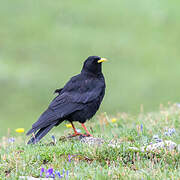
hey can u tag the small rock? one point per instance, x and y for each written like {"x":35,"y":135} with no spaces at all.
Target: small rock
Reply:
{"x":92,"y":141}
{"x":170,"y":145}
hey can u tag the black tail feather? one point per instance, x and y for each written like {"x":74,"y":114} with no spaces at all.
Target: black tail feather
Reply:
{"x":40,"y":134}
{"x":31,"y":131}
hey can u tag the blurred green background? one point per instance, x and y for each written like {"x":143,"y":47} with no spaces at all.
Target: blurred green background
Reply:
{"x":44,"y":43}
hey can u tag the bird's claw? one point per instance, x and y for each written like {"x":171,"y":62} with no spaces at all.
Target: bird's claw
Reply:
{"x":87,"y":135}
{"x":76,"y":134}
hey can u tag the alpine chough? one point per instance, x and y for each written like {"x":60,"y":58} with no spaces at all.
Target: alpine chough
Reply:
{"x":78,"y":100}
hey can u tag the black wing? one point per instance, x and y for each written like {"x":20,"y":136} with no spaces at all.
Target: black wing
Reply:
{"x":58,"y":91}
{"x":73,"y":97}
{"x":83,"y":90}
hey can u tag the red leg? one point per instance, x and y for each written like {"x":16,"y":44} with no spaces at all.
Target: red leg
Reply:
{"x":87,"y":132}
{"x":75,"y":131}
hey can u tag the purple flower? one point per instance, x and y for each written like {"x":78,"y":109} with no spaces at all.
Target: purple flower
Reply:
{"x":166,"y":134}
{"x":170,"y":132}
{"x":58,"y":174}
{"x":67,"y":174}
{"x":156,"y":138}
{"x":49,"y":173}
{"x":141,"y":127}
{"x":63,"y":172}
{"x":54,"y":139}
{"x":42,"y":171}
{"x":69,"y":158}
{"x":11,"y":140}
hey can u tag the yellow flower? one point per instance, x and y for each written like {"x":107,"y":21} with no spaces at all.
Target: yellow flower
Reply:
{"x":68,"y":125}
{"x":19,"y":130}
{"x":113,"y":120}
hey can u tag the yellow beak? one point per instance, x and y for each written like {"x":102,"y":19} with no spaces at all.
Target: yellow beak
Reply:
{"x":102,"y":60}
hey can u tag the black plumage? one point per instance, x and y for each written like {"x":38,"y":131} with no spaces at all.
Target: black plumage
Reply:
{"x":78,"y":100}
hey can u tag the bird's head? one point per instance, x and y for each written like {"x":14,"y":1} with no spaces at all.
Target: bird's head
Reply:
{"x":93,"y":64}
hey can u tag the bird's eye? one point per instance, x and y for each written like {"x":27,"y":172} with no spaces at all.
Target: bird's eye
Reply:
{"x":96,"y":60}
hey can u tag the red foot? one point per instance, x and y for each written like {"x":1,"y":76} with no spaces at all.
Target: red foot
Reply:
{"x":79,"y":134}
{"x":76,"y":134}
{"x":87,"y":135}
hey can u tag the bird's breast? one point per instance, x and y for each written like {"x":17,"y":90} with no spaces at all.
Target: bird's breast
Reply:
{"x":87,"y":112}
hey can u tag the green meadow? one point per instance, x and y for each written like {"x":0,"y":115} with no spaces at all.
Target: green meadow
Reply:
{"x":80,"y":160}
{"x":44,"y":43}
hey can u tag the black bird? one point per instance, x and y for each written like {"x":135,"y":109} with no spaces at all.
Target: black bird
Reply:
{"x":78,"y":100}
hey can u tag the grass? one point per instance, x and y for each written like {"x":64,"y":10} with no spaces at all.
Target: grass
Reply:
{"x":100,"y":162}
{"x":43,"y":44}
